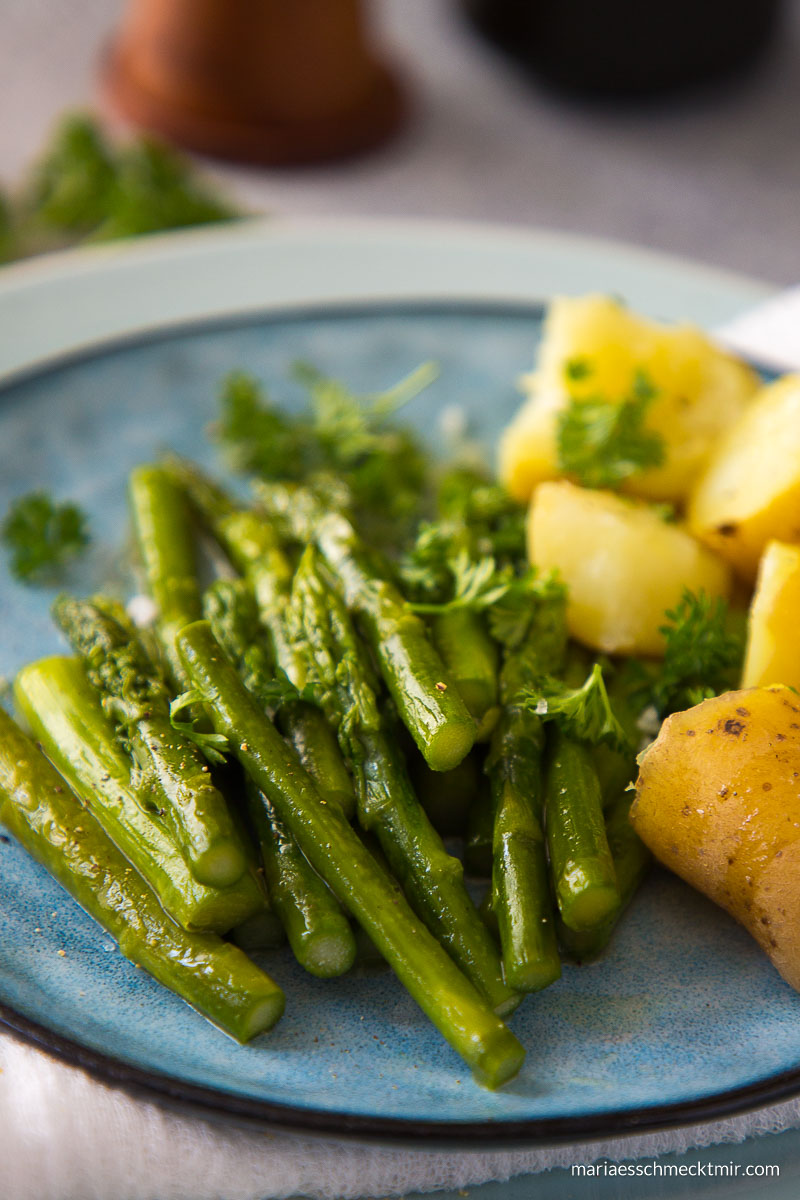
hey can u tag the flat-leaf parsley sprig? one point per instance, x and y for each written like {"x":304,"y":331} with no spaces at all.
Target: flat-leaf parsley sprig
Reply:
{"x":703,"y":653}
{"x":42,"y":536}
{"x":584,"y":713}
{"x":602,"y":443}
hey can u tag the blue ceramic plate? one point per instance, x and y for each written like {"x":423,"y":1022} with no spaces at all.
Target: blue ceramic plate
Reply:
{"x":111,"y":356}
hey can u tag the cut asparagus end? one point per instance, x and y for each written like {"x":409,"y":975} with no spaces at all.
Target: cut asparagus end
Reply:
{"x":449,"y":745}
{"x":510,"y":1002}
{"x":222,"y":865}
{"x":534,"y":976}
{"x":262,"y":1015}
{"x":501,"y":1061}
{"x":588,"y":906}
{"x":328,"y":956}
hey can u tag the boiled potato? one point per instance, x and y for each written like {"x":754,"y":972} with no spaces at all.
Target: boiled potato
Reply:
{"x":622,"y":564}
{"x":773,"y":627}
{"x":701,"y":390}
{"x":750,"y":491}
{"x":718,"y":802}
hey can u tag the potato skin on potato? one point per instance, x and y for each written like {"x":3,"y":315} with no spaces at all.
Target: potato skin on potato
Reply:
{"x":718,"y":802}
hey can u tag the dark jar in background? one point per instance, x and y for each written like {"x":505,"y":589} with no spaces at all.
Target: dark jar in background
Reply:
{"x":622,"y":48}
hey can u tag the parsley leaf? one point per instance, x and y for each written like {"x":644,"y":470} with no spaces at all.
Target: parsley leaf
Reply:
{"x":703,"y":655}
{"x":71,"y":185}
{"x":476,"y":584}
{"x":382,"y":469}
{"x":259,"y":437}
{"x":584,"y":713}
{"x":155,"y":188}
{"x":577,"y":368}
{"x":212,"y":745}
{"x":42,"y":535}
{"x":533,"y":608}
{"x":7,"y":236}
{"x":602,"y":444}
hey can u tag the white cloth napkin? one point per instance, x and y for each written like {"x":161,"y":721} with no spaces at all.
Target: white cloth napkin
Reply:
{"x":769,"y":334}
{"x":65,"y":1137}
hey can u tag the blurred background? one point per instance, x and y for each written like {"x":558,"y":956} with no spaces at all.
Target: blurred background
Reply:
{"x":539,"y":136}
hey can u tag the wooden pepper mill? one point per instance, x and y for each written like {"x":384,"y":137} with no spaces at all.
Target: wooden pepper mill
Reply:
{"x":267,"y":81}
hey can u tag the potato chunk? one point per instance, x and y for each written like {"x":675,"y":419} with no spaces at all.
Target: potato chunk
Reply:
{"x":718,"y":802}
{"x":750,"y":490}
{"x":623,"y":566}
{"x":593,"y":347}
{"x":773,"y":628}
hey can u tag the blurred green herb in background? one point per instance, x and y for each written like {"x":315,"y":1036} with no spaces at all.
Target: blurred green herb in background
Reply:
{"x":85,"y":189}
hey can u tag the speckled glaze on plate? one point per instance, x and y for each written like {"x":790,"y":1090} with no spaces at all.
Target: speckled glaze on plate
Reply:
{"x":684,"y":1018}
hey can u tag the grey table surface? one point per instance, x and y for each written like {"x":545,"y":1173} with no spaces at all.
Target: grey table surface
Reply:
{"x":715,"y":177}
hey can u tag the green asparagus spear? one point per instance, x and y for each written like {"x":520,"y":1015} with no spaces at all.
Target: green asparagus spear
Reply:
{"x":424,"y":694}
{"x":117,"y":665}
{"x":318,"y":931}
{"x":446,"y":795}
{"x":520,"y":882}
{"x":65,"y":715}
{"x":581,"y":862}
{"x":336,"y":852}
{"x":252,"y":547}
{"x":262,"y":931}
{"x":387,"y":806}
{"x":166,"y":547}
{"x":521,"y":899}
{"x":215,"y":978}
{"x":631,"y":861}
{"x":469,"y":655}
{"x":479,"y":836}
{"x":230,"y":607}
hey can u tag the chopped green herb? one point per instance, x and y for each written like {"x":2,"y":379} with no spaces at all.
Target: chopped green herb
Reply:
{"x":42,"y":535}
{"x":703,"y":654}
{"x":6,"y":230}
{"x":583,"y":713}
{"x":71,"y":185}
{"x":258,"y":437}
{"x":533,"y":609}
{"x":382,"y":469}
{"x":602,"y":444}
{"x":212,"y":745}
{"x":577,"y":368}
{"x":476,"y":584}
{"x":155,"y":188}
{"x":84,"y":188}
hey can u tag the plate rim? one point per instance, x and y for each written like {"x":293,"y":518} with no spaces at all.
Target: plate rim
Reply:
{"x":33,"y":279}
{"x":95,"y":293}
{"x":212,"y":1104}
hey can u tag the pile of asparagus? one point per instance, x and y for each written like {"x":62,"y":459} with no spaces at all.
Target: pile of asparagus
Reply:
{"x":281,"y":753}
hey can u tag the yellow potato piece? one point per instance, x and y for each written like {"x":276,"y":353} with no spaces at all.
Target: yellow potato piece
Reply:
{"x":622,"y":564}
{"x":701,"y":391}
{"x":718,"y":802}
{"x":750,"y":490}
{"x":773,"y":628}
